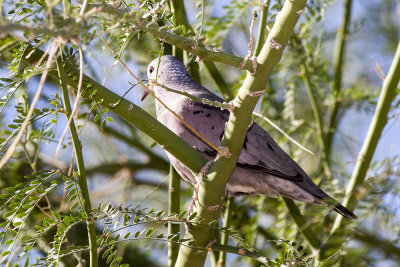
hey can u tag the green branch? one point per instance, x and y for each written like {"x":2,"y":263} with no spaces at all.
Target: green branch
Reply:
{"x":302,"y":224}
{"x":367,"y":151}
{"x":174,"y":207}
{"x":225,"y":235}
{"x":386,"y":246}
{"x":212,"y":187}
{"x":338,"y":62}
{"x":262,"y":29}
{"x":189,"y":45}
{"x":317,"y":117}
{"x":87,"y":207}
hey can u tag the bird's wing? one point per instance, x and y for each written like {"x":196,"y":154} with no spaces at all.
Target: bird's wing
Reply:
{"x":261,"y":153}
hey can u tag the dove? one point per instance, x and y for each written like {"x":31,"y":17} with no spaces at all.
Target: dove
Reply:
{"x":263,"y":168}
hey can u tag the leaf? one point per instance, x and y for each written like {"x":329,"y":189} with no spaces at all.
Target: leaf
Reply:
{"x":103,"y":125}
{"x":192,"y":216}
{"x":183,"y":213}
{"x":97,"y":117}
{"x":137,"y":234}
{"x":5,"y":253}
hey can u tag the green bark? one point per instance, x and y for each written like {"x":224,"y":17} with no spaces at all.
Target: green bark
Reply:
{"x":173,"y":207}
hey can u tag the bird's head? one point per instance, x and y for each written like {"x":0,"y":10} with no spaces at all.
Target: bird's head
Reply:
{"x":168,"y":71}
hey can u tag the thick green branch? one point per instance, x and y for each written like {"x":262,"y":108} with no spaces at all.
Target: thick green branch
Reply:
{"x":367,"y":151}
{"x":212,"y":188}
{"x":87,"y":207}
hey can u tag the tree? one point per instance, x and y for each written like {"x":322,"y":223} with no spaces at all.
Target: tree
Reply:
{"x":69,"y":137}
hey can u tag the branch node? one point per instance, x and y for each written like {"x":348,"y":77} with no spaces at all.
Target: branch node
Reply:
{"x":130,"y":107}
{"x":301,"y":11}
{"x":212,"y":208}
{"x":210,"y":244}
{"x":230,"y":106}
{"x":254,"y":65}
{"x":194,"y":46}
{"x":242,"y":251}
{"x":257,"y":93}
{"x":274,"y":44}
{"x":223,"y":151}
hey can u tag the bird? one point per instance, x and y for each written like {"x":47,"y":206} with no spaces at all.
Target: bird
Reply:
{"x":262,"y":168}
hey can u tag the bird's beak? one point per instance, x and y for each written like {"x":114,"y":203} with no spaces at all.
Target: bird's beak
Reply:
{"x":145,"y":94}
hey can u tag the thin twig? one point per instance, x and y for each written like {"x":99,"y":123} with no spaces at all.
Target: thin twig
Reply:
{"x":282,"y":132}
{"x":251,"y":46}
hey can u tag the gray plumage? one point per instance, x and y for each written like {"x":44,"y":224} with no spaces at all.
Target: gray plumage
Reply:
{"x":262,"y":168}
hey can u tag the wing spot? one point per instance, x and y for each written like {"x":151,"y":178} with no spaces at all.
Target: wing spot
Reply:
{"x":197,"y":112}
{"x":212,"y":128}
{"x":270,"y":147}
{"x":208,"y":115}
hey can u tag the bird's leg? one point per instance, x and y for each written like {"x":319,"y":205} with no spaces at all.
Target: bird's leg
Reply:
{"x":199,"y":179}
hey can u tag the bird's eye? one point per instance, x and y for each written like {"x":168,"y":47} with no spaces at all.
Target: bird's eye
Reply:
{"x":151,"y":69}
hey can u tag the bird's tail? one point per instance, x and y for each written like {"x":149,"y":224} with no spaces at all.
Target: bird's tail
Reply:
{"x":344,"y":211}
